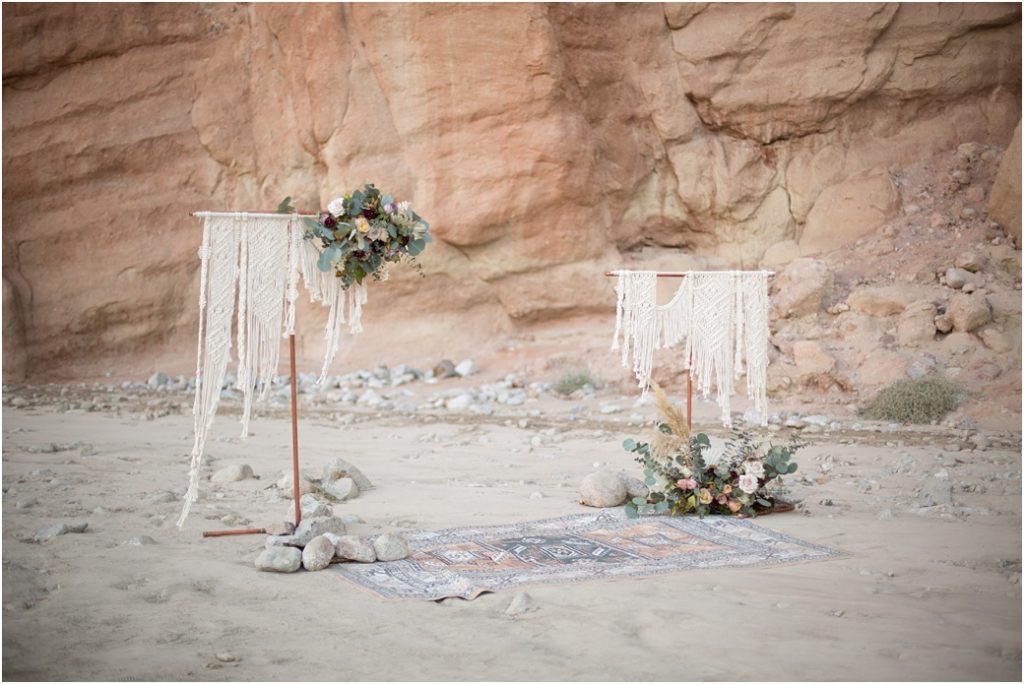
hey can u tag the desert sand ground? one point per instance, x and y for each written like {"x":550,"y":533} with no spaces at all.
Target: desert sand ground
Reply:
{"x":926,"y":592}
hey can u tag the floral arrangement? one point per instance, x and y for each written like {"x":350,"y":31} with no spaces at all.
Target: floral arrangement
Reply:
{"x":364,"y":232}
{"x":745,"y":480}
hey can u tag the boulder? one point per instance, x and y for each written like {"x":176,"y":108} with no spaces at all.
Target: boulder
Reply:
{"x":602,"y":489}
{"x":313,"y":508}
{"x":811,"y":358}
{"x":390,"y":547}
{"x":881,"y":367}
{"x":968,"y":312}
{"x":445,"y":369}
{"x":279,"y":559}
{"x":916,"y":325}
{"x":956,"y":278}
{"x":342,"y":489}
{"x":317,"y":554}
{"x":801,"y":288}
{"x":314,"y":527}
{"x":279,"y":528}
{"x":1004,"y":204}
{"x":339,"y":468}
{"x":232,"y":473}
{"x":350,"y":547}
{"x":995,"y":340}
{"x":886,"y":300}
{"x":848,"y":210}
{"x":943,"y":323}
{"x":971,"y":261}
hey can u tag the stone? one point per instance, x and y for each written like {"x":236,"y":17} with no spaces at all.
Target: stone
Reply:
{"x":280,"y":528}
{"x":943,"y":323}
{"x":48,"y":532}
{"x":307,"y":484}
{"x":995,"y":340}
{"x":279,"y":559}
{"x":520,"y":603}
{"x":445,"y":369}
{"x":801,"y":288}
{"x":936,"y":492}
{"x":811,"y":359}
{"x":350,"y":547}
{"x":460,"y":403}
{"x":634,"y":486}
{"x":226,"y":657}
{"x":314,"y":527}
{"x":317,"y":554}
{"x":142,"y":540}
{"x":466,"y":368}
{"x":886,"y":300}
{"x":161,"y":497}
{"x":340,"y":468}
{"x":232,"y":473}
{"x":312,"y":507}
{"x":602,"y":489}
{"x":956,"y":278}
{"x":968,"y":312}
{"x":158,"y":379}
{"x":971,"y":261}
{"x":342,"y":489}
{"x":26,"y":503}
{"x":916,"y":324}
{"x":390,"y":547}
{"x":1004,"y":204}
{"x":848,"y":210}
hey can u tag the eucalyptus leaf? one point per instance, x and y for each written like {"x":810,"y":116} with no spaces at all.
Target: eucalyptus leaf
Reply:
{"x":285,"y":207}
{"x":630,"y":510}
{"x":661,"y":506}
{"x":639,"y":500}
{"x":629,"y":444}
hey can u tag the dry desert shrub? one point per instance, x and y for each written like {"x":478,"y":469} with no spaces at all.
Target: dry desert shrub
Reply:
{"x":572,"y":380}
{"x":920,"y":400}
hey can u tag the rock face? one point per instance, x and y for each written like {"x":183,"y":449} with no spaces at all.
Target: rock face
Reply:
{"x":612,"y":126}
{"x":1004,"y":202}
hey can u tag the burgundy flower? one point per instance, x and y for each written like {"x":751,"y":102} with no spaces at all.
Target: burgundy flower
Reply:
{"x":327,"y":220}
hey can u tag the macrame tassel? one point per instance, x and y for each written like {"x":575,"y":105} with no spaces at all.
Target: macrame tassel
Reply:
{"x":294,"y":269}
{"x":218,"y":274}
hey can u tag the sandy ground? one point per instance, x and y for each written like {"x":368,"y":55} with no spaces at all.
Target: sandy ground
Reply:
{"x":927,"y":593}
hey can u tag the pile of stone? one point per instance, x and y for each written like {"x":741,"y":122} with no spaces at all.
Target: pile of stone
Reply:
{"x":321,"y":539}
{"x":340,"y":481}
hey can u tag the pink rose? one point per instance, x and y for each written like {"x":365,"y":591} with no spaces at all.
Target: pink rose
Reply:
{"x":687,"y":484}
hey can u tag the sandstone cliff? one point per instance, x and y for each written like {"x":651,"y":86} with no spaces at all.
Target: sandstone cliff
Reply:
{"x":544,"y":142}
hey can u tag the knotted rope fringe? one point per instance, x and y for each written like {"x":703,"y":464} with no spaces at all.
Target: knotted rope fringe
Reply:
{"x":265,"y":262}
{"x":720,"y":318}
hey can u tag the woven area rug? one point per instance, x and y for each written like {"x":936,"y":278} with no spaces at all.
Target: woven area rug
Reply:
{"x":468,"y":561}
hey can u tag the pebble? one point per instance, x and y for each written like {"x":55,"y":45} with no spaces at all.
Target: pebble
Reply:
{"x":48,"y":532}
{"x":460,"y":403}
{"x":26,"y":503}
{"x":284,"y":527}
{"x":279,"y":559}
{"x":158,"y":379}
{"x":226,"y":657}
{"x":143,"y":540}
{"x":350,"y":547}
{"x":520,"y":603}
{"x":232,"y":473}
{"x":339,"y":468}
{"x":390,"y":547}
{"x":317,"y":554}
{"x":161,"y":497}
{"x":466,"y":368}
{"x":610,"y":408}
{"x":445,"y":369}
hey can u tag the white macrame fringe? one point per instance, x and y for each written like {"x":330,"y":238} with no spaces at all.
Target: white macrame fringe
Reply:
{"x":720,"y":318}
{"x":265,"y":262}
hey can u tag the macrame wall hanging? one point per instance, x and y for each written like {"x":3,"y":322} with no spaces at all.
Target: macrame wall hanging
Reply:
{"x":250,"y":265}
{"x":719,"y":318}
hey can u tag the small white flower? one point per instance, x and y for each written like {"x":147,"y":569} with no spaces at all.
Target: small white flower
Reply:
{"x":336,"y":206}
{"x":748,"y":483}
{"x":404,"y":208}
{"x":418,"y":230}
{"x":755,"y":468}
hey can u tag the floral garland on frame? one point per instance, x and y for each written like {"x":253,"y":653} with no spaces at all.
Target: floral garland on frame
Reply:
{"x":362,"y":233}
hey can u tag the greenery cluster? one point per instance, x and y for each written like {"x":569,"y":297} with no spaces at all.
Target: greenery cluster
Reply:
{"x":364,"y":231}
{"x":921,"y":400}
{"x":572,"y":380}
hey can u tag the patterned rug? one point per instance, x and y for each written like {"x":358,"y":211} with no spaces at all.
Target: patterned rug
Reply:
{"x":468,"y":561}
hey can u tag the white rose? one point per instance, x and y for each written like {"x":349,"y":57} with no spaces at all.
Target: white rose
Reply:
{"x":336,"y":206}
{"x":404,"y":208}
{"x":755,"y":468}
{"x":748,"y":483}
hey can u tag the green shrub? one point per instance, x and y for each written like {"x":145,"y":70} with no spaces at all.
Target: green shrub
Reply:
{"x":572,"y":380}
{"x":921,"y":400}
